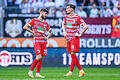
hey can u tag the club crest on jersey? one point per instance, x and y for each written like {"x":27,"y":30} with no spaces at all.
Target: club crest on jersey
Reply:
{"x":38,"y":51}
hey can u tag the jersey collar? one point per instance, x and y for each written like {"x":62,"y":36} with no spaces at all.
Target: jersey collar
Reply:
{"x":72,"y":16}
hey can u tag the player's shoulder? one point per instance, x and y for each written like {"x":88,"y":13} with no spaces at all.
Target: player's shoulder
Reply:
{"x":66,"y":16}
{"x":33,"y":19}
{"x":45,"y":22}
{"x":77,"y":16}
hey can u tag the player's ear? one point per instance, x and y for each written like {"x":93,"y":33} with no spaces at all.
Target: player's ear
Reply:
{"x":41,"y":12}
{"x":72,"y":9}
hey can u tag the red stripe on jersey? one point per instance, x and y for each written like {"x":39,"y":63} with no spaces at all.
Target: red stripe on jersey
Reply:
{"x":39,"y":39}
{"x":70,"y":36}
{"x":71,"y":32}
{"x":34,"y":28}
{"x":71,"y":28}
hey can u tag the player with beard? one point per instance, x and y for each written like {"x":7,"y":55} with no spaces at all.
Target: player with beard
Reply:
{"x":39,"y":27}
{"x":71,"y":27}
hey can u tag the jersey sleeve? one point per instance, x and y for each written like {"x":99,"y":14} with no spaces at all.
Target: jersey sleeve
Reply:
{"x":80,"y":20}
{"x":31,"y":23}
{"x":64,"y":21}
{"x":48,"y":27}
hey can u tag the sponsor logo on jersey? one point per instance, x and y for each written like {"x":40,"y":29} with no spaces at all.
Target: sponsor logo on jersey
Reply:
{"x":38,"y":51}
{"x":40,"y":30}
{"x":69,"y":25}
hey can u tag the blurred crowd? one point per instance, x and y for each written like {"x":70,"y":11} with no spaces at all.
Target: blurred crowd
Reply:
{"x":85,"y":8}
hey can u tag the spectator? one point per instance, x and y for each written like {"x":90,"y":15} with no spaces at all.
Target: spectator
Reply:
{"x":116,"y":9}
{"x":14,"y":4}
{"x":94,"y":11}
{"x":103,"y":4}
{"x":81,"y":2}
{"x":25,"y":6}
{"x":71,"y":2}
{"x":91,"y":3}
{"x":59,"y":3}
{"x":31,"y":1}
{"x":51,"y":12}
{"x":114,"y":2}
{"x":11,"y":3}
{"x":107,"y":2}
{"x":51,"y":6}
{"x":49,"y":3}
{"x":32,"y":10}
{"x":60,"y":12}
{"x":107,"y":12}
{"x":111,"y":3}
{"x":81,"y":12}
{"x":18,"y":2}
{"x":116,"y":12}
{"x":36,"y":5}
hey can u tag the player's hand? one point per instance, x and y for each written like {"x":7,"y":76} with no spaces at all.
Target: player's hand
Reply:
{"x":77,"y":35}
{"x":45,"y":38}
{"x":65,"y":34}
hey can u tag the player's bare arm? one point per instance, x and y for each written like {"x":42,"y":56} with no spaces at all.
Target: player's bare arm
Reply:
{"x":26,"y":27}
{"x":63,"y":27}
{"x":83,"y":31}
{"x":49,"y":35}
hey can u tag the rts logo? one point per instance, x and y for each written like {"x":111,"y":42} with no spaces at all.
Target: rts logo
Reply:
{"x":15,"y":58}
{"x":5,"y":58}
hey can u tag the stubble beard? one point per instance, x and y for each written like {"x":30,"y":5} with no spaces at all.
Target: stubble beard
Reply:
{"x":43,"y":17}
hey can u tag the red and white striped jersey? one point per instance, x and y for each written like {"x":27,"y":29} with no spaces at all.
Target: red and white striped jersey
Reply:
{"x":72,"y":25}
{"x":39,"y":27}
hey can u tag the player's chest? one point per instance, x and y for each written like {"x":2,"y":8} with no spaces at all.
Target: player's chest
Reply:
{"x":40,"y":25}
{"x":72,"y":23}
{"x":71,"y":20}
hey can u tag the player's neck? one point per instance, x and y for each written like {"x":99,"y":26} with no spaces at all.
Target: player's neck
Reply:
{"x":72,"y":14}
{"x":40,"y":18}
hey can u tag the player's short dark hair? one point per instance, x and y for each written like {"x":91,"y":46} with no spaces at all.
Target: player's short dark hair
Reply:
{"x":44,"y":10}
{"x":71,"y":6}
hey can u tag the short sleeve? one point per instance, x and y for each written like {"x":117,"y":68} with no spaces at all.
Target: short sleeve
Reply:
{"x":31,"y":23}
{"x":48,"y":27}
{"x":64,"y":21}
{"x":80,"y":20}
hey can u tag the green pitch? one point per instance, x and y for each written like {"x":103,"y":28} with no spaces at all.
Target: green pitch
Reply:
{"x":20,"y":73}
